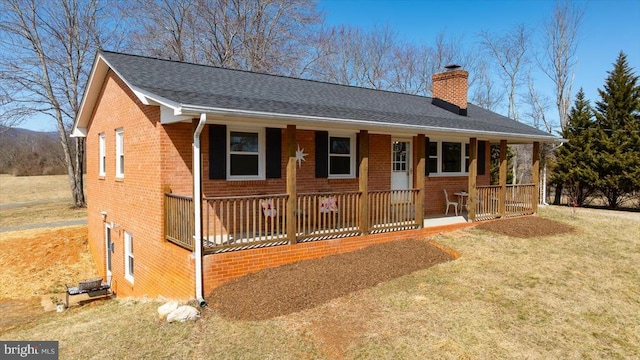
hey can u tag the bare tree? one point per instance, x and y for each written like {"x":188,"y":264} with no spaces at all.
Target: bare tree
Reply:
{"x":560,"y":45}
{"x":269,"y":36}
{"x":485,"y":93}
{"x":12,"y":113}
{"x":539,"y":104}
{"x":46,"y":51}
{"x":510,"y":54}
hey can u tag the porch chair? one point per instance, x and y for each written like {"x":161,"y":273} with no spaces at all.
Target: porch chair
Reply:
{"x":450,"y":203}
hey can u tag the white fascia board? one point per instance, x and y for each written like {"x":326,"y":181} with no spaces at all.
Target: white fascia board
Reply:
{"x":91,"y":93}
{"x":399,"y":129}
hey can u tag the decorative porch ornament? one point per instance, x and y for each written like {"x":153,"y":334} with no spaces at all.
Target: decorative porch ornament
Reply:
{"x":300,"y":154}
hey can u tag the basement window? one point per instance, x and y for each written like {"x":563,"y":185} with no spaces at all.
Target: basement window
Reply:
{"x":128,"y":257}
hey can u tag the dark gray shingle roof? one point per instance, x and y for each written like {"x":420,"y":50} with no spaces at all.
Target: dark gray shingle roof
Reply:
{"x":212,"y":87}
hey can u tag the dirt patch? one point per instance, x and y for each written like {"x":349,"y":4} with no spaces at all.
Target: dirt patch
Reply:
{"x":526,"y":227}
{"x":35,"y":266}
{"x":307,"y":284}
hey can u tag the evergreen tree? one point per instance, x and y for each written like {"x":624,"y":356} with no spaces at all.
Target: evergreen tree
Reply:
{"x":576,"y":159}
{"x":618,"y":139}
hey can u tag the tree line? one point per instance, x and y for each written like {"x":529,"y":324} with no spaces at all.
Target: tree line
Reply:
{"x":602,"y":156}
{"x":47,"y":48}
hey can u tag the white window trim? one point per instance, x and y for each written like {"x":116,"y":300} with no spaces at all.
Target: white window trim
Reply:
{"x":128,"y":254}
{"x":119,"y":152}
{"x":463,"y":157}
{"x":103,"y":154}
{"x":352,"y":156}
{"x":261,"y":154}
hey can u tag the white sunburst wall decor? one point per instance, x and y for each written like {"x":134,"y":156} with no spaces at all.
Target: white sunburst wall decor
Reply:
{"x":300,"y":154}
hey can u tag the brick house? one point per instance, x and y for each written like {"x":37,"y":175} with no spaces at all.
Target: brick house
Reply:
{"x":197,"y":175}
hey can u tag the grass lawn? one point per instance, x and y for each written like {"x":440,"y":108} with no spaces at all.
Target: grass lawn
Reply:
{"x":36,"y":199}
{"x":574,"y":295}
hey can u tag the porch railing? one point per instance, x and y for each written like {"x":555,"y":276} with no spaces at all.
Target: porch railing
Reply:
{"x":244,"y":222}
{"x":179,"y":220}
{"x":327,"y":215}
{"x":392,"y":210}
{"x":487,"y":203}
{"x":519,"y":199}
{"x":241,"y":222}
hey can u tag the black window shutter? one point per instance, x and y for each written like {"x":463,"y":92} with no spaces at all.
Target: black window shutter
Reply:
{"x":274,"y":153}
{"x":217,"y":152}
{"x":322,"y":154}
{"x":481,"y":157}
{"x":426,"y":156}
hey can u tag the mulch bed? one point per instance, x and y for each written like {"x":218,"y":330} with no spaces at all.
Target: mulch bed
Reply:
{"x":307,"y":284}
{"x":526,"y":227}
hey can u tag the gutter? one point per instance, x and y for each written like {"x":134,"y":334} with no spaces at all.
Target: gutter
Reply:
{"x":197,"y":213}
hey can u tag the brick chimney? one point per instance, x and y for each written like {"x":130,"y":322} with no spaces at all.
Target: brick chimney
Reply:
{"x":450,"y":89}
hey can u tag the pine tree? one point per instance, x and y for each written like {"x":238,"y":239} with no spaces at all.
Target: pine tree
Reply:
{"x":618,"y":139}
{"x":576,"y":159}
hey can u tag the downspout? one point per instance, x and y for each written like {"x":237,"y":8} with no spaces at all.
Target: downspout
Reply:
{"x":197,"y":205}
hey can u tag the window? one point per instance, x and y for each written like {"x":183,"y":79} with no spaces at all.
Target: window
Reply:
{"x":103,"y":155}
{"x":128,"y":257}
{"x":119,"y":153}
{"x":451,"y":157}
{"x":433,"y":157}
{"x":466,"y":158}
{"x":448,"y":157}
{"x":246,"y":155}
{"x":341,"y":156}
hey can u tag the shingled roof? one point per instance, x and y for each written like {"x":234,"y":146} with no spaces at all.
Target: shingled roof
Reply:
{"x":181,"y":85}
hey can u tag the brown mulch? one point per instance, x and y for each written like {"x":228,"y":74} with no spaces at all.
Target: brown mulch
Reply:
{"x":307,"y":284}
{"x":526,"y":227}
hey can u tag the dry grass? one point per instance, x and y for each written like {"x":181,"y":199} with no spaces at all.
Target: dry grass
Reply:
{"x":15,"y":189}
{"x":575,"y":295}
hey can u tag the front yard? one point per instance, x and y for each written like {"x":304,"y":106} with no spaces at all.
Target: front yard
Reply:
{"x":570,"y":295}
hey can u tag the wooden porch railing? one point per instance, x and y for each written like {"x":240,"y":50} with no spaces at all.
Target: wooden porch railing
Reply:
{"x":392,"y":210}
{"x":179,"y":220}
{"x":241,"y":222}
{"x":519,"y":200}
{"x":487,"y":203}
{"x":327,"y":215}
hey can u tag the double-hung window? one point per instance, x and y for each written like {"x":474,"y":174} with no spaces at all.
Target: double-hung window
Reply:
{"x":342,"y":156}
{"x":246,"y":154}
{"x":119,"y":153}
{"x":448,"y":158}
{"x":103,"y":155}
{"x":128,"y":257}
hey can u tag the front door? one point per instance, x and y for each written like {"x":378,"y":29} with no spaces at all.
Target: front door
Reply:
{"x":108,"y":249}
{"x":401,"y":170}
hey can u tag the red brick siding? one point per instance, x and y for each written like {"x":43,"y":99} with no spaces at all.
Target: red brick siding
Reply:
{"x":135,"y":203}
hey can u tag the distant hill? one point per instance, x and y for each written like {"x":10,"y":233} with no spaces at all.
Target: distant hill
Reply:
{"x":28,"y":152}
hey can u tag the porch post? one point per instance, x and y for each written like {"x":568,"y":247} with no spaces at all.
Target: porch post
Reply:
{"x":536,"y":176}
{"x":291,"y":184}
{"x":473,"y":172}
{"x":502,"y":209}
{"x":419,"y":171}
{"x":363,"y":180}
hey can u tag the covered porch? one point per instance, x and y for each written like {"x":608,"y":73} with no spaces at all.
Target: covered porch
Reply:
{"x":229,"y":223}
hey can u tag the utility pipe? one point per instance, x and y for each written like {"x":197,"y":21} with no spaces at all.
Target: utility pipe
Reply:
{"x":197,"y":211}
